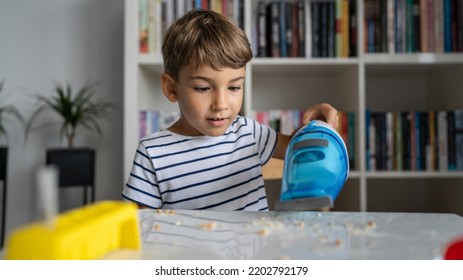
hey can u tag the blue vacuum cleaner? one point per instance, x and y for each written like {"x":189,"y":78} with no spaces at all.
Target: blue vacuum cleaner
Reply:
{"x":315,"y":169}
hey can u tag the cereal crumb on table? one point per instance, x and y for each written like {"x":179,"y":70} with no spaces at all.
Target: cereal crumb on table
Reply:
{"x":168,"y":212}
{"x":263,"y":232}
{"x":371,"y":224}
{"x":300,"y":224}
{"x":209,"y":226}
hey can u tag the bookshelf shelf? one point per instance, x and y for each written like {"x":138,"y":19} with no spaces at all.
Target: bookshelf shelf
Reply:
{"x":378,"y":82}
{"x":146,"y":59}
{"x":413,"y":174}
{"x":418,"y":59}
{"x":259,"y":61}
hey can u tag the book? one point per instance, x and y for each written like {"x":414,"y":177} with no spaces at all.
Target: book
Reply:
{"x":301,"y":27}
{"x":345,"y":28}
{"x":331,"y":30}
{"x":416,"y":26}
{"x":141,"y":124}
{"x":390,"y":140}
{"x":447,"y":25}
{"x":283,"y":29}
{"x":406,"y":143}
{"x":459,"y":138}
{"x":261,"y":29}
{"x":143,"y":26}
{"x":273,"y":29}
{"x":155,"y":26}
{"x":293,"y":16}
{"x":417,"y":149}
{"x":316,"y":29}
{"x":372,"y":142}
{"x":353,"y":28}
{"x":431,"y":149}
{"x":398,"y":140}
{"x":308,"y":31}
{"x":443,"y":140}
{"x":390,"y":26}
{"x":338,"y":32}
{"x":452,"y":160}
{"x":323,"y":46}
{"x":367,"y":140}
{"x":424,"y":140}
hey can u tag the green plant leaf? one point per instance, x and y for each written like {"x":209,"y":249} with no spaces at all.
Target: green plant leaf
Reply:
{"x":6,"y":111}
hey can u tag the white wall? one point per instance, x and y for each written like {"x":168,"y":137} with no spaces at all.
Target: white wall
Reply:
{"x":60,"y":40}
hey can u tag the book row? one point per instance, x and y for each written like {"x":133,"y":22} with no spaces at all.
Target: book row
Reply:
{"x":154,"y":120}
{"x":408,"y":26}
{"x":155,"y":16}
{"x":415,"y":141}
{"x":287,"y":121}
{"x":310,"y":28}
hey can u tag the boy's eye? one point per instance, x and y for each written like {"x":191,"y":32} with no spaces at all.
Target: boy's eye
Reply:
{"x":234,"y":88}
{"x":201,"y":89}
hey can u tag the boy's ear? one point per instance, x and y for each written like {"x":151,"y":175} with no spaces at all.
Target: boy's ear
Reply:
{"x":168,"y":87}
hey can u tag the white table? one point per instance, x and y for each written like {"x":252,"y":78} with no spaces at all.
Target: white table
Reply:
{"x":296,"y":235}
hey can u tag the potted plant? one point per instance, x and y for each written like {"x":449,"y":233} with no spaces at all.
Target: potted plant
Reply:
{"x":74,"y":109}
{"x":7,"y":111}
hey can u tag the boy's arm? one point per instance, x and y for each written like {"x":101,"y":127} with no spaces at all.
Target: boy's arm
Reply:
{"x":282,"y":144}
{"x":323,"y":111}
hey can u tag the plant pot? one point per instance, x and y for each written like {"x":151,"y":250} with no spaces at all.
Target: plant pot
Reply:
{"x":76,"y":168}
{"x":3,"y":163}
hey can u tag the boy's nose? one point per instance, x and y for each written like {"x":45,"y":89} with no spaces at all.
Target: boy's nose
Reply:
{"x":220,"y":101}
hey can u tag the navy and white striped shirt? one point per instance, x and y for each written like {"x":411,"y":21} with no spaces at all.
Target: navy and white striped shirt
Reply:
{"x":173,"y":171}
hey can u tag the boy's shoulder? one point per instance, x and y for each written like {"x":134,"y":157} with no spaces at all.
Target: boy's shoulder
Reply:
{"x":160,"y":136}
{"x":241,"y":123}
{"x":244,"y":120}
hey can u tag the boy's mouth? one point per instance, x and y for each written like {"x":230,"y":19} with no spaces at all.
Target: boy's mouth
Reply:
{"x":217,"y":121}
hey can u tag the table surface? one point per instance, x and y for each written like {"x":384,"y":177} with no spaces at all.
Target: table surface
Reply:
{"x":187,"y":234}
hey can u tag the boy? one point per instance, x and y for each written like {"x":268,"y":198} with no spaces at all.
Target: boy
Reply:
{"x":212,"y":157}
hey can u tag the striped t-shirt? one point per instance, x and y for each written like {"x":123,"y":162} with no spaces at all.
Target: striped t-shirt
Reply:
{"x":173,"y":171}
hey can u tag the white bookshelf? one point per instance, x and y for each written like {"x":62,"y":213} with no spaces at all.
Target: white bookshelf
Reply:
{"x":379,"y":82}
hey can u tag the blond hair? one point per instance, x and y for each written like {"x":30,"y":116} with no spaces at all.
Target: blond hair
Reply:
{"x":204,"y":38}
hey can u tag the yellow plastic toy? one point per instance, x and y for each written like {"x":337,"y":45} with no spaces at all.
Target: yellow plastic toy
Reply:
{"x":85,"y":233}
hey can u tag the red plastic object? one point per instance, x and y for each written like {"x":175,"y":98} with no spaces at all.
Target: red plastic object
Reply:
{"x":454,"y":250}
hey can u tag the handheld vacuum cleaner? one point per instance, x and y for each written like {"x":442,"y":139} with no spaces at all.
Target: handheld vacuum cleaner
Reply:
{"x":315,"y":169}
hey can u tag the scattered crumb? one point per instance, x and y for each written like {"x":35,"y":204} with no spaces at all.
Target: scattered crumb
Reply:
{"x":300,"y":224}
{"x":209,"y":226}
{"x":363,"y":229}
{"x":157,"y":227}
{"x":263,"y":232}
{"x":178,"y":223}
{"x":168,"y":212}
{"x":338,"y":242}
{"x":171,"y":212}
{"x":371,"y":224}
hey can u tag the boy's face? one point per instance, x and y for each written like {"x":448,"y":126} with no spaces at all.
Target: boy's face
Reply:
{"x":209,"y":100}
